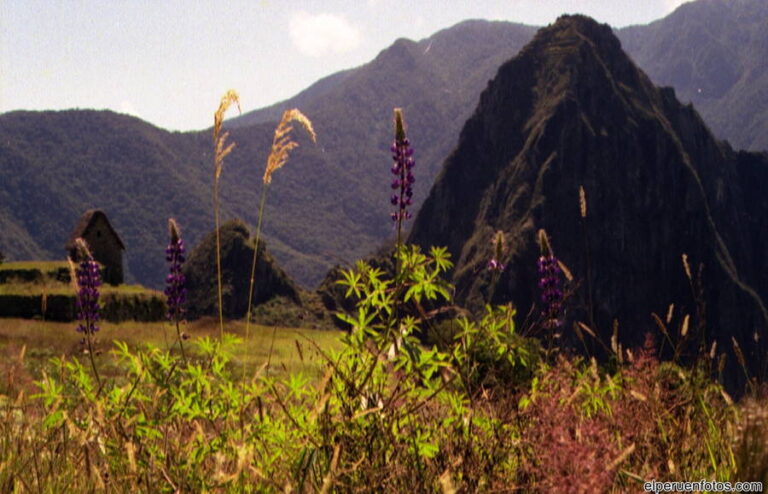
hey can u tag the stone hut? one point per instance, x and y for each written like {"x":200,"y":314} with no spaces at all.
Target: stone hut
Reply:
{"x":103,"y":241}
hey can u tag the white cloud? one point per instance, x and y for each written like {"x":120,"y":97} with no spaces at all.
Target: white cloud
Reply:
{"x":671,"y":5}
{"x":128,"y":108}
{"x":322,"y":34}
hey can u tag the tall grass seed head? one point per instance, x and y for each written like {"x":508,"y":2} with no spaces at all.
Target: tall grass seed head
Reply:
{"x":282,"y":142}
{"x":221,"y":148}
{"x":582,"y":202}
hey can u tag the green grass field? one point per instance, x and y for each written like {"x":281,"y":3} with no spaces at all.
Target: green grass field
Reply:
{"x":43,"y":266}
{"x":294,"y":348}
{"x":53,"y":288}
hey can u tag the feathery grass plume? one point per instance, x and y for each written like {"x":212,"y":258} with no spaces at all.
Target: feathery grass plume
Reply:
{"x":87,"y":282}
{"x":564,"y":269}
{"x":740,"y":357}
{"x":282,"y":144}
{"x":220,"y":151}
{"x":684,"y":328}
{"x":670,"y":313}
{"x":549,"y":283}
{"x":587,"y":254}
{"x":687,"y":267}
{"x":582,"y":202}
{"x":175,"y":291}
{"x":402,"y":185}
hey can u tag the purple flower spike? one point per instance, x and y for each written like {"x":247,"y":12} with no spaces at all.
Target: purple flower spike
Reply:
{"x":549,"y":283}
{"x":175,"y":292}
{"x":402,"y":155}
{"x":494,"y":265}
{"x":498,"y":252}
{"x":88,"y":281}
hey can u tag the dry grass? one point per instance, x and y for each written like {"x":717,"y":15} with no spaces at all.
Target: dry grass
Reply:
{"x":282,"y":143}
{"x":221,"y":148}
{"x":220,"y":151}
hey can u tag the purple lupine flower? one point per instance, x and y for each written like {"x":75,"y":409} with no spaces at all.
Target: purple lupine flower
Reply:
{"x":88,"y":281}
{"x":402,"y":185}
{"x":175,"y":292}
{"x":549,"y":283}
{"x":498,"y":251}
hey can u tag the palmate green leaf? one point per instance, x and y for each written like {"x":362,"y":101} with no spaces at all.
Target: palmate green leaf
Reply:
{"x":51,"y":390}
{"x":352,"y":280}
{"x":229,"y":393}
{"x":431,"y":361}
{"x":297,"y":384}
{"x":442,"y":258}
{"x":149,"y":432}
{"x":425,"y":448}
{"x":428,"y":288}
{"x":164,"y":360}
{"x":380,"y":298}
{"x":205,"y":345}
{"x":414,"y":292}
{"x":218,"y":366}
{"x":54,"y":419}
{"x":182,"y":403}
{"x":363,"y":320}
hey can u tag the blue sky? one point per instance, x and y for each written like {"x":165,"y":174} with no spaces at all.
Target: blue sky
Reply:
{"x":168,"y":62}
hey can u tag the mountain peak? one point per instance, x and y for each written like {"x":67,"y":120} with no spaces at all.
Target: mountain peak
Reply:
{"x":570,"y":32}
{"x":572,"y":112}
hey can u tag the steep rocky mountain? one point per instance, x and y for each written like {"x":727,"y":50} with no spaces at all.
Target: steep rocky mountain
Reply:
{"x":572,"y":110}
{"x":715,"y":54}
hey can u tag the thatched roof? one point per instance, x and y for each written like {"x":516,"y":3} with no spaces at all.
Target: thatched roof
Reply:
{"x":86,"y":220}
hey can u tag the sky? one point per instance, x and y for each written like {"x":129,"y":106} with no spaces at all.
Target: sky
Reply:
{"x":169,"y":61}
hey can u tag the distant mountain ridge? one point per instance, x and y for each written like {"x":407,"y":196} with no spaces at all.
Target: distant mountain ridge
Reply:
{"x":715,"y":54}
{"x":56,"y":165}
{"x":330,"y":204}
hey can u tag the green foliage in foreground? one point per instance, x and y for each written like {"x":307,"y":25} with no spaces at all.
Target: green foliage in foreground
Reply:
{"x":486,"y":412}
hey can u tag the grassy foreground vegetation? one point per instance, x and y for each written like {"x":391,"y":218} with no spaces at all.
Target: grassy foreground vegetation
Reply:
{"x":484,"y":410}
{"x":417,"y":396}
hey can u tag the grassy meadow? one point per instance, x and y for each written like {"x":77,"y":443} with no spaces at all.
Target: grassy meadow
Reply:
{"x":39,"y":341}
{"x":42,"y":266}
{"x":64,"y":289}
